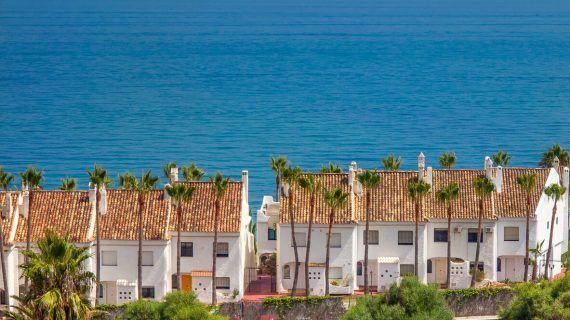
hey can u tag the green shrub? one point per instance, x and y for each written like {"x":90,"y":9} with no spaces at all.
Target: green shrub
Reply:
{"x":178,"y":300}
{"x":410,"y":300}
{"x":142,"y":310}
{"x":479,"y":275}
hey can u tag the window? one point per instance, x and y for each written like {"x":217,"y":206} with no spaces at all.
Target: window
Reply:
{"x":222,"y":249}
{"x":556,"y":220}
{"x":372,"y":237}
{"x":186,"y":249}
{"x":335,"y":273}
{"x":335,"y":240}
{"x":499,"y":264}
{"x":481,"y":266}
{"x":175,"y":281}
{"x":148,"y":292}
{"x":147,"y":258}
{"x":359,"y":268}
{"x":407,"y":269}
{"x":472,"y":235}
{"x":511,"y":233}
{"x":440,"y":235}
{"x":222,"y":282}
{"x":2,"y":297}
{"x":547,"y":225}
{"x":101,"y":291}
{"x":405,"y":237}
{"x":271,"y":234}
{"x":429,"y":266}
{"x":109,"y":258}
{"x":286,"y":271}
{"x":300,"y":238}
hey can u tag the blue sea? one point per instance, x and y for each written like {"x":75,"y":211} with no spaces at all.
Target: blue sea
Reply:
{"x":133,"y":84}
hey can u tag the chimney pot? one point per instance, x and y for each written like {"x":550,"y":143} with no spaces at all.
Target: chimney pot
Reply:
{"x":174,"y":174}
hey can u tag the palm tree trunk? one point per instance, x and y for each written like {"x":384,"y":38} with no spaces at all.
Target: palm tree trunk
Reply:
{"x":534,"y":267}
{"x":448,"y":278}
{"x":307,"y":252}
{"x":29,"y":233}
{"x":478,"y":248}
{"x":416,"y":239}
{"x":97,"y":247}
{"x":139,"y":265}
{"x":327,"y":259}
{"x":215,"y":253}
{"x":549,"y":252}
{"x":295,"y":251}
{"x":366,"y":236}
{"x":277,"y":187}
{"x":3,"y":262}
{"x":527,"y":235}
{"x":179,"y":247}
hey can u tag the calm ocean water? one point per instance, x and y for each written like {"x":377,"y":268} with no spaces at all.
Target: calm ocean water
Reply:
{"x":132,"y":84}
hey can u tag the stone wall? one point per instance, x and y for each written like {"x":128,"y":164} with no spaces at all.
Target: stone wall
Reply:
{"x":321,"y":309}
{"x":470,"y":302}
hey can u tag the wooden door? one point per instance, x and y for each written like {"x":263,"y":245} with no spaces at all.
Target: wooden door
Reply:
{"x":186,"y":282}
{"x":440,"y":271}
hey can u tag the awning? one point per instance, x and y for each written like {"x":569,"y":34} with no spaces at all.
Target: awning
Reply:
{"x":201,"y":274}
{"x":388,"y":260}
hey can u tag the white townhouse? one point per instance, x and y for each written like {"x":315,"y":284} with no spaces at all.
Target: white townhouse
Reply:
{"x":391,"y":237}
{"x":73,"y":213}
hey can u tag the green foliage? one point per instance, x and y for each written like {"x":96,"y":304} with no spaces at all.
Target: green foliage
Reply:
{"x":284,"y":304}
{"x":331,"y":168}
{"x":410,"y":300}
{"x":479,"y":275}
{"x":176,"y":305}
{"x":558,"y":151}
{"x":143,"y":310}
{"x":474,"y":292}
{"x":545,"y":300}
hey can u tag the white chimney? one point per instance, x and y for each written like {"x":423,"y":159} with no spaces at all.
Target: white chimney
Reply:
{"x":245,"y":182}
{"x":166,"y":196}
{"x":425,"y":175}
{"x":103,"y":201}
{"x":173,"y":174}
{"x":488,"y":165}
{"x":556,"y":163}
{"x":92,"y":192}
{"x":7,"y":208}
{"x":351,"y":173}
{"x":498,"y":180}
{"x":494,"y":174}
{"x":24,"y":203}
{"x":566,"y":178}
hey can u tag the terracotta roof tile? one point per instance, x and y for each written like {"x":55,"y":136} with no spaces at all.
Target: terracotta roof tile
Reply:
{"x":7,"y":223}
{"x":201,"y":274}
{"x":198,"y":214}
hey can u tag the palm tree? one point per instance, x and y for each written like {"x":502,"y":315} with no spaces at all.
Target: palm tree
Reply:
{"x":483,"y":188}
{"x":278,"y":165}
{"x":527,"y":182}
{"x":31,"y":179}
{"x":501,"y":158}
{"x":556,"y":150}
{"x":126,"y":180}
{"x":68,"y":184}
{"x":60,"y":284}
{"x":98,"y":179}
{"x":335,"y":199}
{"x":192,"y":173}
{"x":536,"y":252}
{"x":5,"y":181}
{"x":446,"y":195}
{"x":142,"y":188}
{"x":291,"y":176}
{"x":417,"y":190}
{"x":331,"y":168}
{"x":391,"y":163}
{"x":554,"y":192}
{"x":179,"y":193}
{"x":310,"y":184}
{"x":369,"y":180}
{"x":219,"y":186}
{"x":447,"y":160}
{"x":167,"y":169}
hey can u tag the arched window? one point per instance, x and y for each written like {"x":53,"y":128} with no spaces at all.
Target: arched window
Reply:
{"x":286,"y":272}
{"x":429,"y":266}
{"x":359,"y":268}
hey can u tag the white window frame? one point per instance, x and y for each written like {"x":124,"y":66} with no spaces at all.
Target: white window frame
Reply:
{"x":225,"y":252}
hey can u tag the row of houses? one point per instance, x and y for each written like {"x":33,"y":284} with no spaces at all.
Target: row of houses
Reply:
{"x":391,"y":236}
{"x":73,"y":213}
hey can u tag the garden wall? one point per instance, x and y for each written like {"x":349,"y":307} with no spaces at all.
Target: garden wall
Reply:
{"x":478,"y":302}
{"x":285,"y":308}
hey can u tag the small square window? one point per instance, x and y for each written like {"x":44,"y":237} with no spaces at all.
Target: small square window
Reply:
{"x":472,"y":235}
{"x":405,"y":237}
{"x":373,"y":237}
{"x":147,"y":258}
{"x":481,"y":266}
{"x":335,"y":273}
{"x":335,"y":240}
{"x":148,"y":292}
{"x":222,"y":249}
{"x":271,"y":234}
{"x":300,"y":238}
{"x":440,"y":235}
{"x":186,"y":249}
{"x":406,"y":269}
{"x":109,"y":258}
{"x":511,"y":233}
{"x":222,"y":282}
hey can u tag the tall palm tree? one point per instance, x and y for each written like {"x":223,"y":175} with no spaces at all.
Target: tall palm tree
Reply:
{"x":192,"y":173}
{"x":331,"y":168}
{"x":447,"y":195}
{"x":310,"y":184}
{"x":126,"y":180}
{"x":219,"y":186}
{"x":98,"y":179}
{"x":369,"y":180}
{"x":501,"y":158}
{"x":391,"y":162}
{"x":527,"y":182}
{"x":335,"y":199}
{"x":5,"y":181}
{"x":278,"y":165}
{"x":537,"y":251}
{"x":68,"y":184}
{"x":555,"y":151}
{"x":417,"y":190}
{"x":554,"y":192}
{"x":167,"y":169}
{"x":447,"y":160}
{"x":60,"y":284}
{"x":291,"y":176}
{"x":142,"y":187}
{"x":483,"y":188}
{"x":31,"y":179}
{"x":179,"y":193}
